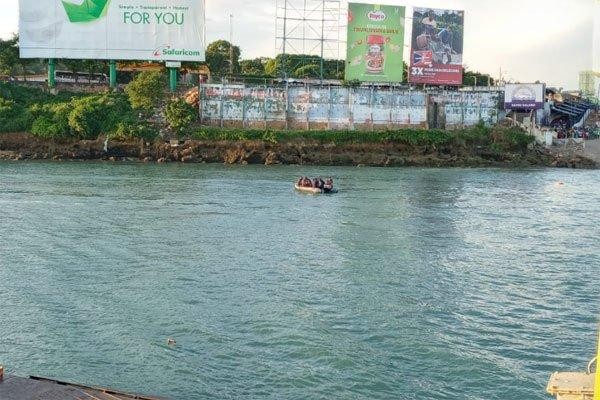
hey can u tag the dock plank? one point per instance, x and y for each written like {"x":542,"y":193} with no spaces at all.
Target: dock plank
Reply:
{"x":36,"y":388}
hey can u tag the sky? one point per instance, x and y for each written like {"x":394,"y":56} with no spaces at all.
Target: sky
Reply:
{"x":530,"y":40}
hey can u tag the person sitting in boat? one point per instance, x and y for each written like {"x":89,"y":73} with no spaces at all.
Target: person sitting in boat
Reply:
{"x":315,"y":183}
{"x":321,"y":183}
{"x":328,"y":186}
{"x":300,"y":181}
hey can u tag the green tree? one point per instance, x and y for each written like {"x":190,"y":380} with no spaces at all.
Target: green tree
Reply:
{"x":254,"y":67}
{"x":307,"y":71}
{"x":271,"y":67}
{"x":146,"y":90}
{"x":9,"y":55}
{"x":472,"y":78}
{"x":219,"y":55}
{"x":289,"y":64}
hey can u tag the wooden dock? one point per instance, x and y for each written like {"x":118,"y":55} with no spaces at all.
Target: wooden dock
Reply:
{"x":36,"y":388}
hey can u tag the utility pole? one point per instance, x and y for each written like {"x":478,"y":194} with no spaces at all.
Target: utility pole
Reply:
{"x":322,"y":42}
{"x":230,"y":44}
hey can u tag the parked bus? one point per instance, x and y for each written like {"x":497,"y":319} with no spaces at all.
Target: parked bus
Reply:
{"x":81,"y":77}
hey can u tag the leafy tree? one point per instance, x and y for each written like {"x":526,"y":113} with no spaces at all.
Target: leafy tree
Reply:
{"x":307,"y":71}
{"x":472,"y":78}
{"x":9,"y":55}
{"x":218,"y":58}
{"x":146,"y":90}
{"x":289,"y":64}
{"x":254,"y":67}
{"x":271,"y":67}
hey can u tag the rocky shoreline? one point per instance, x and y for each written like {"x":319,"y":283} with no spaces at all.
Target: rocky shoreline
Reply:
{"x":23,"y":146}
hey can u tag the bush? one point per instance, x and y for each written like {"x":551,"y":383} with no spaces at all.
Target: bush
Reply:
{"x":50,"y":120}
{"x":47,"y":128}
{"x":180,"y":115}
{"x":131,"y":130}
{"x":97,"y":114}
{"x":511,"y":139}
{"x":26,"y":95}
{"x":146,"y":90}
{"x":13,"y":117}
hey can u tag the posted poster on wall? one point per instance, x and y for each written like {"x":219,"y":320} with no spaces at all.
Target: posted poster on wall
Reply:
{"x":437,"y":47}
{"x":375,"y":43}
{"x":112,"y":30}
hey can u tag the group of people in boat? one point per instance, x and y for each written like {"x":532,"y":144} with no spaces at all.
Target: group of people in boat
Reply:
{"x":317,"y":183}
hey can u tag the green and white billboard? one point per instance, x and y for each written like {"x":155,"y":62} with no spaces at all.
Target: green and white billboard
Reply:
{"x":111,"y":29}
{"x":375,"y":43}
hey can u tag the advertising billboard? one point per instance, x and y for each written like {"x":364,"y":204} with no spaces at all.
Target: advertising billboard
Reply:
{"x":524,"y":96}
{"x":375,"y":43}
{"x":110,"y":29}
{"x":436,"y":54}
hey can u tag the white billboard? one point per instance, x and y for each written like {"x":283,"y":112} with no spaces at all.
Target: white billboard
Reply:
{"x":524,"y":96}
{"x":112,"y":29}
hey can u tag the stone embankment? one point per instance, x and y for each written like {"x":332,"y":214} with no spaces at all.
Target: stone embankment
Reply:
{"x":22,"y":146}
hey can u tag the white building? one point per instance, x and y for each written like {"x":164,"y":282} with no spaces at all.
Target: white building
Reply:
{"x":589,"y":81}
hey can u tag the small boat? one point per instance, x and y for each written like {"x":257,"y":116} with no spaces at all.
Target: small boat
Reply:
{"x":312,"y":190}
{"x":306,"y":189}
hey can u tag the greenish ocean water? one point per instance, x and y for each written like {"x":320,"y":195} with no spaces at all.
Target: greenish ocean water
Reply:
{"x":407,"y":284}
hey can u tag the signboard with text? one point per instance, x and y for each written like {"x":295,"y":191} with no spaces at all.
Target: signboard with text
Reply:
{"x":524,"y":96}
{"x":437,"y":47}
{"x":375,"y":43}
{"x":112,"y":29}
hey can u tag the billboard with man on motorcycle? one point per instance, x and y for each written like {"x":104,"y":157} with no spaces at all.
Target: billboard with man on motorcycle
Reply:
{"x":437,"y":47}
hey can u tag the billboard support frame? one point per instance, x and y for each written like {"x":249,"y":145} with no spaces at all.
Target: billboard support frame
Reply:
{"x":172,"y":79}
{"x":112,"y":74}
{"x":307,"y":28}
{"x":51,"y":73}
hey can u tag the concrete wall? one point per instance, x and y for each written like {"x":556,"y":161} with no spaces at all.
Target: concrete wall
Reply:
{"x":335,"y":107}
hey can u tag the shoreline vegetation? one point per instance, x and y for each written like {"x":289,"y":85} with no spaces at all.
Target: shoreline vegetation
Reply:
{"x":142,"y":123}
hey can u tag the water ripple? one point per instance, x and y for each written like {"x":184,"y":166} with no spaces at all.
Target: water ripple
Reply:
{"x":408,"y":284}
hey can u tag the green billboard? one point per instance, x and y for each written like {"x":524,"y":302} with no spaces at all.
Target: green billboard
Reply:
{"x":375,"y":43}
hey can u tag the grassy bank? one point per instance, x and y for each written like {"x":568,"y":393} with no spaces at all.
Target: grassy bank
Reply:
{"x":143,"y":109}
{"x":495,"y":138}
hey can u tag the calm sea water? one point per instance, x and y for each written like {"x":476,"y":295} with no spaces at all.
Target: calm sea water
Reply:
{"x":408,"y":284}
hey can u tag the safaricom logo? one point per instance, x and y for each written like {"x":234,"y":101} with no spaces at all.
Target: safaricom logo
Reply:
{"x":86,"y":10}
{"x":168,"y":51}
{"x":376,"y":15}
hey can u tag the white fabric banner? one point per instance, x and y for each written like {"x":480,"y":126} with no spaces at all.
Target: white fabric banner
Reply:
{"x":112,"y":29}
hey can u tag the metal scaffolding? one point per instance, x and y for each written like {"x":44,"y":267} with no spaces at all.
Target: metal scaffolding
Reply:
{"x":309,"y":28}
